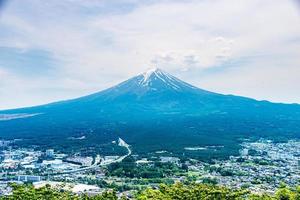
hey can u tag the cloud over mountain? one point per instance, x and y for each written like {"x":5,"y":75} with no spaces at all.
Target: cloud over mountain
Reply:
{"x":201,"y":40}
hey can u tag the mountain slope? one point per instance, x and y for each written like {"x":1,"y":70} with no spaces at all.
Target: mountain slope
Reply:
{"x":153,"y":111}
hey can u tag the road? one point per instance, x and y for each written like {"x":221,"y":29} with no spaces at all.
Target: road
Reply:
{"x":95,"y":165}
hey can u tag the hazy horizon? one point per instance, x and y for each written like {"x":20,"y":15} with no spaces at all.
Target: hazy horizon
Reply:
{"x":58,"y":50}
{"x":75,"y":97}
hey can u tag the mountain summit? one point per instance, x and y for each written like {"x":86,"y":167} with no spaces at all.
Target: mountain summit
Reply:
{"x":152,"y":111}
{"x":157,"y":79}
{"x":152,"y":82}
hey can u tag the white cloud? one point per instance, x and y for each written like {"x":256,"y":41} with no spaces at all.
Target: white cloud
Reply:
{"x":95,"y":45}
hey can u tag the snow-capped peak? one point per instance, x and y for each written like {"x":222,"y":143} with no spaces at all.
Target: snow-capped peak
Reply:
{"x":148,"y":73}
{"x":156,"y":78}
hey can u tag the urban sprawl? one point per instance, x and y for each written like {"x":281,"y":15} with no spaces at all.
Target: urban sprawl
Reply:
{"x":261,"y":166}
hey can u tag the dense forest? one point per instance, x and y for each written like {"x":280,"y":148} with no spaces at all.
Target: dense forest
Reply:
{"x":176,"y":191}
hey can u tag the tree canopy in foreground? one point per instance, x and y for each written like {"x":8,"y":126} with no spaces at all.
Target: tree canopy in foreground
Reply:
{"x":176,"y":191}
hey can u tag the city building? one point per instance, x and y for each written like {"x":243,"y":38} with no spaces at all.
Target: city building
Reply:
{"x":50,"y":153}
{"x":29,"y":178}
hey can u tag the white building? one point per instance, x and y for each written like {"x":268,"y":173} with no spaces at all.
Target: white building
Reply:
{"x":52,"y":163}
{"x":49,"y":152}
{"x":29,"y":178}
{"x":244,"y":152}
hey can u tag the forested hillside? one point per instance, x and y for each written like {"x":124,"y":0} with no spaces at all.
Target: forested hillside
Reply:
{"x":152,"y":111}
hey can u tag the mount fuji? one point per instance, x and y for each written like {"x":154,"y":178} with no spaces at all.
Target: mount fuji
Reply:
{"x":153,"y":111}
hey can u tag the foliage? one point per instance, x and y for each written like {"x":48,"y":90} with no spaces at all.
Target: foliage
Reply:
{"x":28,"y":192}
{"x":177,"y":191}
{"x":128,"y":168}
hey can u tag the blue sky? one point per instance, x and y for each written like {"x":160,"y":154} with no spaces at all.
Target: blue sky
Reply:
{"x":54,"y":50}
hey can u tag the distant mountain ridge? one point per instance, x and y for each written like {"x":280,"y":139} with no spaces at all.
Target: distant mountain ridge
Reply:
{"x":154,"y":111}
